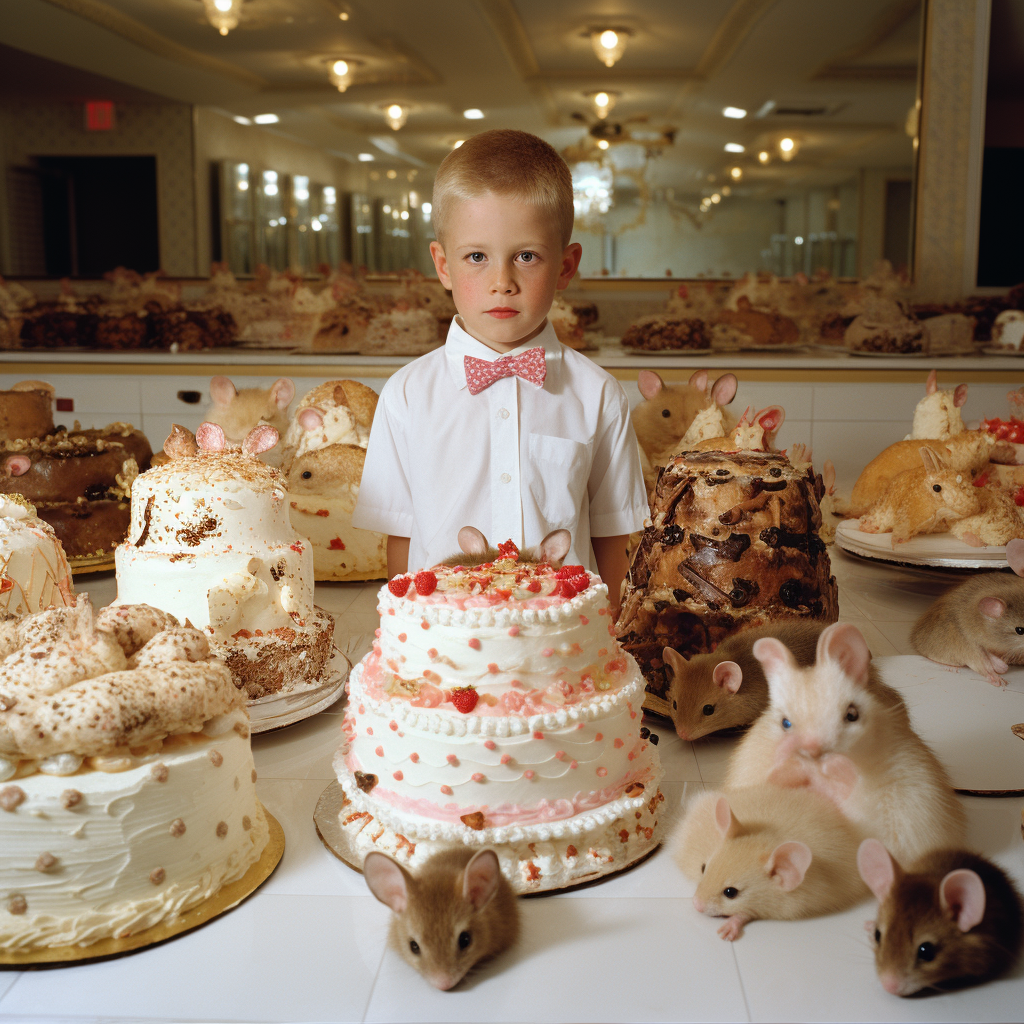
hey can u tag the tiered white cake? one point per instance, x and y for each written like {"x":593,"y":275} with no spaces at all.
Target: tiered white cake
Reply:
{"x":496,"y":707}
{"x":211,"y":543}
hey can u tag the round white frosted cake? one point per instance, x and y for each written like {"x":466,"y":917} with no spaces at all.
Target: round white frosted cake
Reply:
{"x":127,"y":786}
{"x":497,"y":707}
{"x":210,"y":542}
{"x":34,"y":573}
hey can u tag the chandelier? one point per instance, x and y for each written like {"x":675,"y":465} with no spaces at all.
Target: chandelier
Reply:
{"x":223,"y":15}
{"x":609,"y":44}
{"x":339,"y":72}
{"x":396,"y":115}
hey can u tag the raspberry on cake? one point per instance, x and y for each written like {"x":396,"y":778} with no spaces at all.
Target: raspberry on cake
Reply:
{"x":498,"y":708}
{"x":211,"y":543}
{"x":126,"y":775}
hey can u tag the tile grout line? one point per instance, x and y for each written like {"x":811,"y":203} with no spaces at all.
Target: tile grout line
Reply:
{"x":743,"y":988}
{"x":376,"y":978}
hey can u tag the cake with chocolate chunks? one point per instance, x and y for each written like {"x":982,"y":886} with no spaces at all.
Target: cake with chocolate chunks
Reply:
{"x":733,"y":543}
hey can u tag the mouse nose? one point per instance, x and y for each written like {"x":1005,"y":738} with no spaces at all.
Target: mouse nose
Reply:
{"x":698,"y":904}
{"x":810,"y":746}
{"x":442,"y":981}
{"x":682,"y":733}
{"x":891,"y":983}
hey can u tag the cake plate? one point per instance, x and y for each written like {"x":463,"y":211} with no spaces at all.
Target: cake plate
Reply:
{"x":930,"y":551}
{"x":91,"y":563}
{"x":277,"y":710}
{"x":225,"y":899}
{"x":338,"y":832}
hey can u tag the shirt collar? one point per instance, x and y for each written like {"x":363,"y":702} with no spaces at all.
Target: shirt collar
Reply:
{"x":460,"y":344}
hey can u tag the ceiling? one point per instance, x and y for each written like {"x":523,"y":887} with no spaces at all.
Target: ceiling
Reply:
{"x":526,"y":63}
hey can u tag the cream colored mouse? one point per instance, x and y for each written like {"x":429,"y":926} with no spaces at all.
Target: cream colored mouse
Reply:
{"x":837,"y":728}
{"x":765,"y":852}
{"x":238,"y":411}
{"x":455,"y":912}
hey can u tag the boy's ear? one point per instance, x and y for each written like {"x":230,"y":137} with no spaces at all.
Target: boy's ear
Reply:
{"x":571,"y":257}
{"x":440,"y":264}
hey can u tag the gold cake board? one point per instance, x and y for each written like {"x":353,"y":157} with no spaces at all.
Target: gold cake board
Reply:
{"x":91,"y":563}
{"x":339,"y":840}
{"x":220,"y":902}
{"x":349,"y":577}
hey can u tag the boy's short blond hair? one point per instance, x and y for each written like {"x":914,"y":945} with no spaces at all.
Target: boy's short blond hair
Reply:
{"x":507,"y":163}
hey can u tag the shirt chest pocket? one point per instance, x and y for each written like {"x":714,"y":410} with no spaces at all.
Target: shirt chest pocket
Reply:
{"x":557,"y":474}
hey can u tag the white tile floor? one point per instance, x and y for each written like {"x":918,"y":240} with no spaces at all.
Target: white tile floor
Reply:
{"x":310,"y":944}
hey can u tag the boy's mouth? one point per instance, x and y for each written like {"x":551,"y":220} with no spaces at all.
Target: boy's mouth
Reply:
{"x":502,"y":312}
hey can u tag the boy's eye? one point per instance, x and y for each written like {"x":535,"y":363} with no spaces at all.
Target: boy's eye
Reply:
{"x":528,"y":257}
{"x":476,"y":257}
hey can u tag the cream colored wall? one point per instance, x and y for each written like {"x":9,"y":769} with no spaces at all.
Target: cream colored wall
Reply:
{"x":218,"y":137}
{"x":871,"y":229}
{"x":163,"y":130}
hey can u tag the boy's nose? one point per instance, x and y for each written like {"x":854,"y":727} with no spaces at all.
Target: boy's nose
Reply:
{"x":504,"y":281}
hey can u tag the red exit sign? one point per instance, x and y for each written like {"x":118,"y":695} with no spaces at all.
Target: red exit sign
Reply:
{"x":99,"y":116}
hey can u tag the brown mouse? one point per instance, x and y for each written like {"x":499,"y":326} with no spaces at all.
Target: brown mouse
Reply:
{"x":950,"y":920}
{"x":476,"y":551}
{"x":457,"y":911}
{"x":727,"y":688}
{"x":978,"y":624}
{"x":766,"y":852}
{"x":837,"y":728}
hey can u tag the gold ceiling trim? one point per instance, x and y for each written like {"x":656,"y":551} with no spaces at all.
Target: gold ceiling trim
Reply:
{"x":841,"y":66}
{"x":135,"y":32}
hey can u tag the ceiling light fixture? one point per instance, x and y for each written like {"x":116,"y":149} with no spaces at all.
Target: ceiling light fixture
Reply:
{"x":266,"y":119}
{"x":473,"y":114}
{"x":340,"y":73}
{"x":392,"y":174}
{"x":602,"y":143}
{"x":764,"y":156}
{"x":734,"y":147}
{"x":223,"y":15}
{"x":788,"y":148}
{"x":609,"y":44}
{"x":735,"y":173}
{"x":365,"y":158}
{"x":457,"y":143}
{"x":736,"y":113}
{"x":603,"y":102}
{"x":716,"y":198}
{"x":238,"y":119}
{"x":396,"y":115}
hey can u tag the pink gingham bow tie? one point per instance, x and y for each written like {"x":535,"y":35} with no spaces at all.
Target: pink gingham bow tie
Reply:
{"x":482,"y":373}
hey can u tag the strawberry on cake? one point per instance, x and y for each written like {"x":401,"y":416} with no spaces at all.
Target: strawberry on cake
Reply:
{"x":496,"y":707}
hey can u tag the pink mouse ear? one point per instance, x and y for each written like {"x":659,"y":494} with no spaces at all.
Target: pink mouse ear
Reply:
{"x":1015,"y":556}
{"x":210,"y":437}
{"x":17,"y":465}
{"x":311,"y":419}
{"x":260,"y":439}
{"x":876,"y":868}
{"x":649,"y":383}
{"x":960,"y":395}
{"x":932,"y":383}
{"x":962,"y":896}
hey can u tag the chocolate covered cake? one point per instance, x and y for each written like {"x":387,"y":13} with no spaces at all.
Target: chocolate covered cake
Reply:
{"x":665,"y":332}
{"x":733,"y":544}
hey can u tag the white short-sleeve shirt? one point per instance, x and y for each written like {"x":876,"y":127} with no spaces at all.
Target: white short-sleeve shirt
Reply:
{"x":515,"y":460}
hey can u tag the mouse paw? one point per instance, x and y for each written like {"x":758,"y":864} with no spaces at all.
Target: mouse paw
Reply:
{"x":733,"y":928}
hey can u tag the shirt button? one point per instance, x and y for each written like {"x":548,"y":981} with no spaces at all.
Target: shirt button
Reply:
{"x":505,"y":478}
{"x":503,"y":413}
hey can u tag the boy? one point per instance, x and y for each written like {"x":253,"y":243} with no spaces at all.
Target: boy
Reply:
{"x":462,"y":438}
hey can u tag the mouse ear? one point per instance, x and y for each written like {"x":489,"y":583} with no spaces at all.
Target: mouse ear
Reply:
{"x":555,"y":546}
{"x":387,"y":880}
{"x":674,"y":660}
{"x":843,"y":643}
{"x":876,"y":867}
{"x":728,"y":675}
{"x":310,"y":418}
{"x":210,"y":437}
{"x":699,"y":380}
{"x":17,"y":465}
{"x":828,"y":476}
{"x":650,"y":384}
{"x":960,"y":395}
{"x":222,"y":391}
{"x":723,"y":391}
{"x":962,"y":896}
{"x":775,"y":658}
{"x":992,"y":607}
{"x":932,"y":383}
{"x":472,"y":541}
{"x":480,"y":879}
{"x":282,"y":391}
{"x":787,"y":864}
{"x":1015,"y":556}
{"x":727,"y":822}
{"x":931,"y":459}
{"x":261,"y":438}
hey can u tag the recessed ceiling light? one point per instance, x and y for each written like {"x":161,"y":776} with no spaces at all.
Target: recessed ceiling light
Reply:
{"x":365,"y":157}
{"x":716,"y":198}
{"x":799,"y":240}
{"x":764,"y":156}
{"x":736,"y":173}
{"x":266,"y":119}
{"x":457,"y":143}
{"x":473,"y":114}
{"x":734,"y":112}
{"x":238,"y":119}
{"x":734,"y":147}
{"x":602,"y":143}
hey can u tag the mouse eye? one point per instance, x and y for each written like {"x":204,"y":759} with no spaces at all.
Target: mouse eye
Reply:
{"x":414,"y":946}
{"x":708,"y":709}
{"x":675,"y":706}
{"x":665,"y":413}
{"x":786,"y":723}
{"x":936,"y":488}
{"x":306,"y":474}
{"x":730,"y":892}
{"x":878,"y":936}
{"x":464,"y":940}
{"x":702,"y":867}
{"x":852,"y":714}
{"x":1020,"y":630}
{"x":926,"y":951}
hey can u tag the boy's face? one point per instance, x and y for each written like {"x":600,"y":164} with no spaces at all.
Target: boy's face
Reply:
{"x":503,"y":261}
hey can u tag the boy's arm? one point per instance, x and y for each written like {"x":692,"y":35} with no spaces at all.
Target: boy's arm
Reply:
{"x":612,"y":564}
{"x":398,"y":556}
